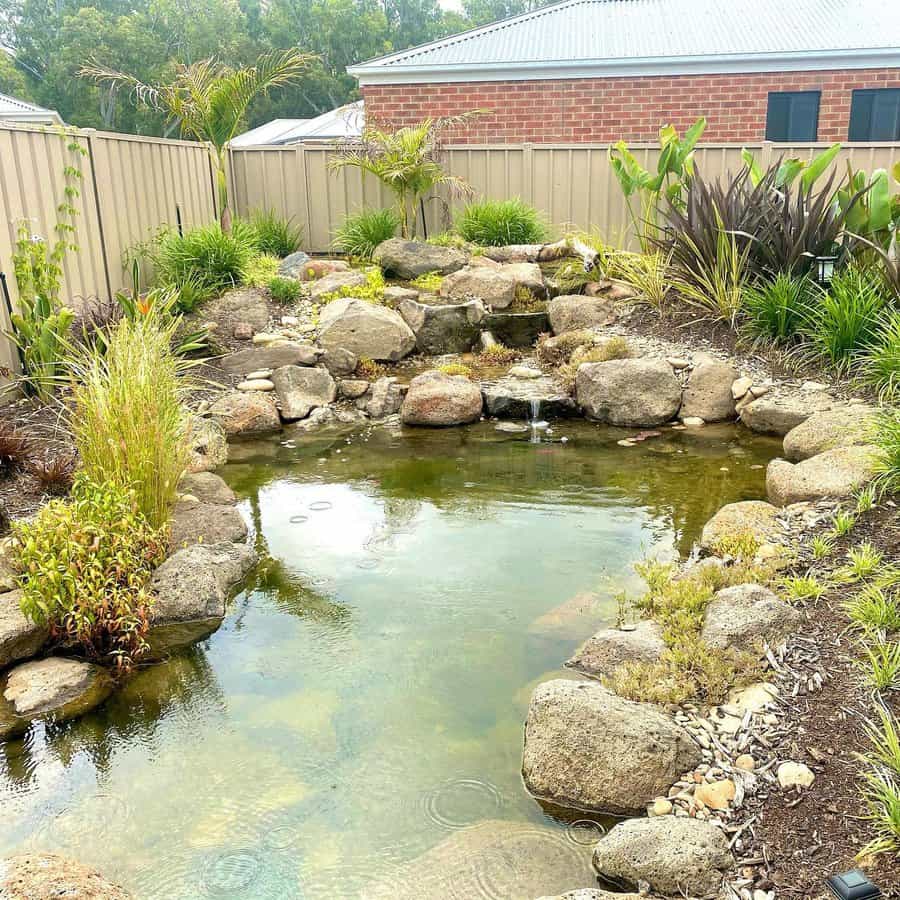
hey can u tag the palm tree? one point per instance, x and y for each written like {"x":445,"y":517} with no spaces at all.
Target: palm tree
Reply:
{"x":406,"y":161}
{"x":209,"y":99}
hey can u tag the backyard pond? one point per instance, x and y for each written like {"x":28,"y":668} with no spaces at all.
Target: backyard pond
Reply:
{"x":363,"y":701}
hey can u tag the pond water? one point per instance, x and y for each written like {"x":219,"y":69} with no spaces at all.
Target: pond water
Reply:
{"x":364,"y":699}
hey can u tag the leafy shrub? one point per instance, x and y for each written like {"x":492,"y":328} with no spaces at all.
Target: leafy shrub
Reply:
{"x":86,"y":562}
{"x":775,"y":310}
{"x":127,"y":418}
{"x":372,"y":291}
{"x":205,"y":257}
{"x":524,"y":301}
{"x":284,"y":290}
{"x":843,"y":320}
{"x":495,"y":223}
{"x":273,"y":235}
{"x":15,"y":448}
{"x":260,"y":270}
{"x":455,"y":369}
{"x":55,"y":472}
{"x":192,"y":292}
{"x":362,"y":232}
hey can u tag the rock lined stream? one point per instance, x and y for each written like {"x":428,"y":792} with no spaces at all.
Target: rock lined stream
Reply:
{"x":363,"y":703}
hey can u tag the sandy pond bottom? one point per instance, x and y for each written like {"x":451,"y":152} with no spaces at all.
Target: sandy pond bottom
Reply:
{"x":362,"y":706}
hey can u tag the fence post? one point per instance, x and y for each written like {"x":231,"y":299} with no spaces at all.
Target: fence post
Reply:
{"x":766,"y":155}
{"x":528,"y":173}
{"x":300,"y":153}
{"x":88,"y":134}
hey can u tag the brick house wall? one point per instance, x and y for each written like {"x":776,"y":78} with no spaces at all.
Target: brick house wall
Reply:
{"x":585,"y":110}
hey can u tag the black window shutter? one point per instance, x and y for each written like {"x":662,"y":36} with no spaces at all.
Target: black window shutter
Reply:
{"x":875,"y":115}
{"x":792,"y":116}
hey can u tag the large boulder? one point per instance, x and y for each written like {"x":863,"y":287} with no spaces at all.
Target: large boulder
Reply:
{"x":270,"y":356}
{"x":301,"y":390}
{"x":209,"y":446}
{"x":746,"y":615}
{"x":512,"y":860}
{"x":195,"y":522}
{"x":190,"y":590}
{"x":246,"y":414}
{"x":572,"y":312}
{"x":492,"y":286}
{"x":630,"y":392}
{"x":707,"y":394}
{"x":527,"y":275}
{"x":778,"y":415}
{"x":754,"y":518}
{"x":603,"y":653}
{"x":336,"y":281}
{"x":675,"y":856}
{"x":46,"y":876}
{"x":434,"y":398}
{"x":366,"y":329}
{"x":207,"y":488}
{"x":55,"y":688}
{"x":587,"y":748}
{"x":20,"y":638}
{"x":843,"y":426}
{"x":410,"y":259}
{"x":446,"y":328}
{"x":834,"y":474}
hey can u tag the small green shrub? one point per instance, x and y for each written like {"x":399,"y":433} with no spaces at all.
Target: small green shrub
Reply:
{"x":456,"y":369}
{"x":525,"y":302}
{"x":798,"y":588}
{"x":842,"y":523}
{"x":496,"y":223}
{"x":372,"y":291}
{"x":368,"y":369}
{"x":776,"y":310}
{"x":285,"y":291}
{"x":740,"y":544}
{"x":207,"y":257}
{"x":85,"y":564}
{"x":261,"y":269}
{"x":615,"y":347}
{"x":497,"y":355}
{"x":362,"y":232}
{"x":451,"y":239}
{"x":554,"y":351}
{"x":191,"y":293}
{"x":274,"y":235}
{"x":127,"y":419}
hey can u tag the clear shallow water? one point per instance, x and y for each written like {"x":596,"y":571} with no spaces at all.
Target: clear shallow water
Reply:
{"x":364,"y":698}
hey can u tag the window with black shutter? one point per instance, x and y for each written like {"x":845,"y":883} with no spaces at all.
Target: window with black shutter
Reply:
{"x":792,"y":116}
{"x":875,"y":115}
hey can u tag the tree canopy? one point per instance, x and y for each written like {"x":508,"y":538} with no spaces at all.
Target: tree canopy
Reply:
{"x":151,"y":39}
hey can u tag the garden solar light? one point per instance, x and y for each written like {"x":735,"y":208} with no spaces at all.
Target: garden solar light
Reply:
{"x":825,"y":268}
{"x":852,"y":885}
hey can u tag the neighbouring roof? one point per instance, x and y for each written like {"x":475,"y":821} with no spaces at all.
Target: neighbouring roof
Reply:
{"x":336,"y":124}
{"x":14,"y":110}
{"x":591,"y":38}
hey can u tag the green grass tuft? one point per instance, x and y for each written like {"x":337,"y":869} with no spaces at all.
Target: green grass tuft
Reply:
{"x":363,"y":231}
{"x":496,"y":223}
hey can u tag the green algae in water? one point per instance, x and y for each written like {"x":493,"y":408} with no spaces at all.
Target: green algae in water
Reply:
{"x":363,"y":702}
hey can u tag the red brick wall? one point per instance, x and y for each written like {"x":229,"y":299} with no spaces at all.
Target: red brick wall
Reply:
{"x":632,"y":109}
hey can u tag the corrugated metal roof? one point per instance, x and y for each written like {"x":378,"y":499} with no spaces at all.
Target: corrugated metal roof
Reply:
{"x":11,"y":108}
{"x":269,"y":133}
{"x":607,"y":33}
{"x":344,"y":122}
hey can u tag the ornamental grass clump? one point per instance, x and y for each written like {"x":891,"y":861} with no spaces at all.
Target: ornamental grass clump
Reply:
{"x":496,"y":223}
{"x":128,"y":421}
{"x":361,"y":232}
{"x":85,"y":563}
{"x":272,"y":234}
{"x":775,"y":311}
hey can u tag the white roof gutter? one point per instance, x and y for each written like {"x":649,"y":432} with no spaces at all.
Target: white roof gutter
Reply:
{"x":384,"y":72}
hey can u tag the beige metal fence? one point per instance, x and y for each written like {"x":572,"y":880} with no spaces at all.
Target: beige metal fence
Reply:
{"x":572,"y":184}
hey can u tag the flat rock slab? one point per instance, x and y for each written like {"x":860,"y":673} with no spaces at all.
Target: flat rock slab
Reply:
{"x":410,"y":259}
{"x":55,"y":688}
{"x":844,"y":426}
{"x":587,"y":748}
{"x":300,"y":390}
{"x":246,"y":415}
{"x":207,"y":488}
{"x":491,"y":286}
{"x":209,"y":445}
{"x":573,"y":312}
{"x":834,"y":474}
{"x":196,"y":522}
{"x":778,"y":415}
{"x":446,"y":328}
{"x":517,"y":329}
{"x":270,"y":356}
{"x":334,"y":282}
{"x":46,"y":876}
{"x":20,"y":638}
{"x":491,"y":859}
{"x":534,"y":398}
{"x":745,"y":615}
{"x":603,"y":653}
{"x":634,"y":393}
{"x":366,"y":330}
{"x":434,"y":398}
{"x":675,"y":856}
{"x":755,"y":518}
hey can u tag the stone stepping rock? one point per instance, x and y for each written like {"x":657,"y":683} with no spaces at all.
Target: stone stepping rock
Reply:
{"x":834,"y":474}
{"x":245,"y":414}
{"x":301,"y":390}
{"x":20,"y":638}
{"x":256,"y":384}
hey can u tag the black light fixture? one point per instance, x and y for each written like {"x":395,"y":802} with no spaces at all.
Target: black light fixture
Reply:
{"x":852,"y":885}
{"x":825,"y":268}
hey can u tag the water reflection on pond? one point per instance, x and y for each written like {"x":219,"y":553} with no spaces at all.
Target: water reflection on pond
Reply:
{"x":364,"y":699}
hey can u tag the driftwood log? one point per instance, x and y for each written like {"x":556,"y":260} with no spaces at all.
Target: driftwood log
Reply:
{"x":546,"y":252}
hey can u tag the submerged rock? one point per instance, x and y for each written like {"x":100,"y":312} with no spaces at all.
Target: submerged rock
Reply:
{"x":572,"y":312}
{"x":745,"y":615}
{"x":534,"y":398}
{"x":491,"y":286}
{"x":434,"y":398}
{"x":209,"y":446}
{"x":449,"y":328}
{"x":410,"y":259}
{"x":603,"y":653}
{"x":587,"y":748}
{"x":46,"y":876}
{"x":55,"y":688}
{"x":674,"y":856}
{"x":20,"y":638}
{"x":708,"y":393}
{"x":210,"y":523}
{"x":754,"y":518}
{"x":301,"y":390}
{"x":834,"y":474}
{"x":243,"y":415}
{"x":629,"y":392}
{"x":365,"y":329}
{"x":843,"y":426}
{"x":516,"y":860}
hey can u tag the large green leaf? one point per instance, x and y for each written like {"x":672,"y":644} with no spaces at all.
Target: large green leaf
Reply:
{"x":879,"y":198}
{"x":756,"y":172}
{"x":788,"y":171}
{"x":818,"y":164}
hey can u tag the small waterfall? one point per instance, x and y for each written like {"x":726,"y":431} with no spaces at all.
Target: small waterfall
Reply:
{"x":535,"y":404}
{"x":534,"y":419}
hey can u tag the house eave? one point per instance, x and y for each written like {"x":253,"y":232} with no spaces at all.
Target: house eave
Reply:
{"x":373,"y":73}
